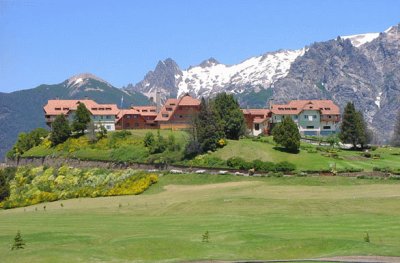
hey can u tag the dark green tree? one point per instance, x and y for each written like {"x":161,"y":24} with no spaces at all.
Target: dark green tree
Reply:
{"x":364,"y":135}
{"x":18,"y":242}
{"x":60,"y":130}
{"x":350,"y":125}
{"x":208,"y":128}
{"x":396,"y":132}
{"x":6,"y":175}
{"x":229,"y":115}
{"x":287,"y":134}
{"x":26,"y":141}
{"x":81,"y":119}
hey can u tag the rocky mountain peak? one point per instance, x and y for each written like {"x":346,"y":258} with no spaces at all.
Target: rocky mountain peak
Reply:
{"x":79,"y":80}
{"x":209,"y":63}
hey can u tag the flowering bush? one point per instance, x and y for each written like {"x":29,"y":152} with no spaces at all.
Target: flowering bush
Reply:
{"x":40,"y":184}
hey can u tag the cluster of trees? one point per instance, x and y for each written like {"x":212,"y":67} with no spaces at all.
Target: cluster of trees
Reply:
{"x":353,"y":128}
{"x":61,"y":130}
{"x":158,"y":144}
{"x":219,"y":118}
{"x":26,"y":141}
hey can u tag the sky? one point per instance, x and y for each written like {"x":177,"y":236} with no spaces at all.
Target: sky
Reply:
{"x":48,"y":41}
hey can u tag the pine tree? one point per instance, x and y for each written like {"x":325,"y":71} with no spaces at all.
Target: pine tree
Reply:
{"x":287,"y":134}
{"x":348,"y":129}
{"x":364,"y":135}
{"x":18,"y":242}
{"x":396,"y":132}
{"x":229,"y":115}
{"x":81,"y":119}
{"x":207,"y":127}
{"x":60,"y":130}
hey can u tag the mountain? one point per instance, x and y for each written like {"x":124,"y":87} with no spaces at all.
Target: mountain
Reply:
{"x":362,"y":68}
{"x":22,"y":111}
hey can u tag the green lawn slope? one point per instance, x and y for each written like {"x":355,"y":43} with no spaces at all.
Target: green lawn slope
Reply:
{"x":247,"y":218}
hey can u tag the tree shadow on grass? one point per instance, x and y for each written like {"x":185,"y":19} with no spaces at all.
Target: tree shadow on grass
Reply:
{"x":281,"y":149}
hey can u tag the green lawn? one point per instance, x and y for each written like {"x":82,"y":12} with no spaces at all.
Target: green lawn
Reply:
{"x":247,"y":218}
{"x":252,"y":150}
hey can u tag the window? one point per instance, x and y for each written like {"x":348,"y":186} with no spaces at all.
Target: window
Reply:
{"x":169,"y":109}
{"x":310,"y":127}
{"x":135,"y":116}
{"x":305,"y":116}
{"x":257,"y":126}
{"x":295,"y":117}
{"x":327,"y":127}
{"x":108,"y":117}
{"x":58,"y":108}
{"x":181,"y":116}
{"x":329,"y":116}
{"x":144,"y":110}
{"x":315,"y":117}
{"x":127,"y":116}
{"x":108,"y":127}
{"x":165,"y":115}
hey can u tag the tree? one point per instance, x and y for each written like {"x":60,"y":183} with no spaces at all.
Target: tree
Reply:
{"x":26,"y":141}
{"x":364,"y":135}
{"x":229,"y":115}
{"x":348,"y":128}
{"x":287,"y":134}
{"x":148,"y":139}
{"x":102,"y":133}
{"x":91,"y":132}
{"x":396,"y":132}
{"x":81,"y":119}
{"x":60,"y":130}
{"x":18,"y":242}
{"x":207,"y":127}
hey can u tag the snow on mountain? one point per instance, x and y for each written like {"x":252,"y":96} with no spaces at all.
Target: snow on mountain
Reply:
{"x":80,"y":80}
{"x":211,"y":76}
{"x":361,"y":39}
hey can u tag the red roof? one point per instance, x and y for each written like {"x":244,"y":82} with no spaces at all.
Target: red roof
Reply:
{"x":260,"y":120}
{"x":256,"y":111}
{"x":57,"y":107}
{"x":295,"y":107}
{"x":171,"y":104}
{"x":146,"y":110}
{"x":121,"y":113}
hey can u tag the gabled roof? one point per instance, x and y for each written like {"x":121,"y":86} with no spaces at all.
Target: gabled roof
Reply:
{"x":121,"y":113}
{"x":256,"y":111}
{"x":295,"y":107}
{"x":185,"y":100}
{"x":57,"y":107}
{"x":146,"y":110}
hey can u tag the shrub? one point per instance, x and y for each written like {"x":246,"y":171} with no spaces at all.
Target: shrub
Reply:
{"x":148,"y":139}
{"x":285,"y":167}
{"x":366,"y":154}
{"x":239,"y":163}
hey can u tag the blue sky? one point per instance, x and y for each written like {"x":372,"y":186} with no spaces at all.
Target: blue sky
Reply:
{"x":47,"y":41}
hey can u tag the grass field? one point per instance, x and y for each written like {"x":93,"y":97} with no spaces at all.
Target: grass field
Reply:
{"x":251,"y":150}
{"x":132,"y":149}
{"x":247,"y":218}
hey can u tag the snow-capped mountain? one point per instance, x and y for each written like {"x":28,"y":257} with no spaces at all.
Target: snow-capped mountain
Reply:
{"x":211,"y":77}
{"x":363,"y":68}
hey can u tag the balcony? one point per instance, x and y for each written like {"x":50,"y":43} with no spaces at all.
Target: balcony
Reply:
{"x":332,"y":118}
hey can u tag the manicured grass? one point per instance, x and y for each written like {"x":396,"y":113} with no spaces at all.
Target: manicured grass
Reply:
{"x":252,"y":150}
{"x":247,"y":218}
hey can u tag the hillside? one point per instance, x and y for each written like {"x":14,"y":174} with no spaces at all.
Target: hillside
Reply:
{"x":130,"y":148}
{"x":247,"y":218}
{"x":22,"y":111}
{"x":361,"y":68}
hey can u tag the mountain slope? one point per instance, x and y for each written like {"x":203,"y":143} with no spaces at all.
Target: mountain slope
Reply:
{"x":362,"y":68}
{"x":23,"y":110}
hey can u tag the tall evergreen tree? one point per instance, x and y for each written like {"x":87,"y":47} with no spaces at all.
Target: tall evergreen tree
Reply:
{"x":364,"y":135}
{"x":348,"y":128}
{"x":206,"y":130}
{"x":287,"y":134}
{"x":60,"y":130}
{"x":229,"y":115}
{"x":81,"y":119}
{"x":396,"y":132}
